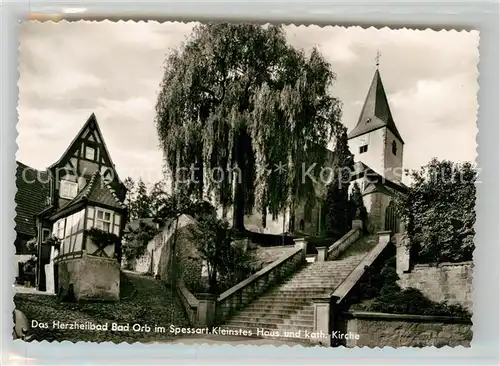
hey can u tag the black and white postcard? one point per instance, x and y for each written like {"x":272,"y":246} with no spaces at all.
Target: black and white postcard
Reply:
{"x":236,"y":183}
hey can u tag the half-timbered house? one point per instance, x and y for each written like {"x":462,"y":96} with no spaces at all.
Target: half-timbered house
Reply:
{"x":84,"y":192}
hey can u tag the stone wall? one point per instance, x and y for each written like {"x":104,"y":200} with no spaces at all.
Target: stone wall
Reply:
{"x":92,"y":277}
{"x":451,"y":282}
{"x":375,"y":204}
{"x":395,"y":330}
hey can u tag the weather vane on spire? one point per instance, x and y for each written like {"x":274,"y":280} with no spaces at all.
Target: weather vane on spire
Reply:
{"x":377,"y":58}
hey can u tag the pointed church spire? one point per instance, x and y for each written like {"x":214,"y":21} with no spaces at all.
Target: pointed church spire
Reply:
{"x":376,"y":112}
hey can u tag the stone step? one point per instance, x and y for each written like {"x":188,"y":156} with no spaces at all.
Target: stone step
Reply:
{"x":333,"y":273}
{"x":280,"y":298}
{"x":285,"y":296}
{"x":302,"y":322}
{"x":247,"y":324}
{"x":330,"y":269}
{"x":275,"y":299}
{"x":302,"y":291}
{"x":325,"y":281}
{"x":317,"y":277}
{"x":261,"y":312}
{"x":273,"y":318}
{"x":286,"y":308}
{"x":323,"y":286}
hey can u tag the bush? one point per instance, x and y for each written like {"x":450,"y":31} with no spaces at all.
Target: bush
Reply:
{"x":439,"y":210}
{"x":135,"y":242}
{"x":227,"y":264}
{"x":411,"y":301}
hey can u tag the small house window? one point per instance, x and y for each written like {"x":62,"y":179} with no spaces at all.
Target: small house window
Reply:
{"x":89,"y":153}
{"x":394,"y":147}
{"x":68,"y":189}
{"x":45,"y":235}
{"x":103,"y":220}
{"x":60,"y":229}
{"x":363,"y":149}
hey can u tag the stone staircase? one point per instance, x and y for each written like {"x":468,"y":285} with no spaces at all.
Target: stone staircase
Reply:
{"x":289,"y":306}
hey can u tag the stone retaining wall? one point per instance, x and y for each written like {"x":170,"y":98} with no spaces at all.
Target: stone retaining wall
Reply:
{"x":92,"y":277}
{"x":401,"y":330}
{"x":450,"y":282}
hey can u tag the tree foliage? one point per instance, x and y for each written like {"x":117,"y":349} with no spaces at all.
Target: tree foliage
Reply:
{"x":236,"y":101}
{"x":338,"y":207}
{"x":135,"y":241}
{"x":140,"y":203}
{"x":129,"y":184}
{"x":212,"y":239}
{"x":227,"y":264}
{"x":439,"y":210}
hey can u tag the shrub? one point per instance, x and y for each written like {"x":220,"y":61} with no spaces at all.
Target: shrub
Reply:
{"x":440,"y":211}
{"x":135,"y":242}
{"x":411,"y":301}
{"x":227,"y":264}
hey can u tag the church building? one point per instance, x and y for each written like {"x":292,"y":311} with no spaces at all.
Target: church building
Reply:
{"x":377,"y":147}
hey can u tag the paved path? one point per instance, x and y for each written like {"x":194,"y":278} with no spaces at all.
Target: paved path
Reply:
{"x":30,"y":290}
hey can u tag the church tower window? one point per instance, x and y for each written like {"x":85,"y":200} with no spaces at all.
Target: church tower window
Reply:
{"x":363,"y":149}
{"x":394,"y":147}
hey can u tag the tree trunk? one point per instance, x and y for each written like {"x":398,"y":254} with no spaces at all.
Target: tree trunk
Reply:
{"x":212,"y":282}
{"x":283,"y":235}
{"x":172,"y":260}
{"x":239,"y":193}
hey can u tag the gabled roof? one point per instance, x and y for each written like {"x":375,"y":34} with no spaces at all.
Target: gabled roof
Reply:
{"x":379,"y":182}
{"x":376,"y":112}
{"x":31,"y":197}
{"x":92,"y":120}
{"x":96,"y":191}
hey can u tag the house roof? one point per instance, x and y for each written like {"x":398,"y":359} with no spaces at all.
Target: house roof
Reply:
{"x":96,"y":191}
{"x":376,"y":112}
{"x":92,"y":120}
{"x":31,"y":197}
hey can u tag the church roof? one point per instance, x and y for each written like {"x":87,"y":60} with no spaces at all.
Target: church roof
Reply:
{"x":376,"y":112}
{"x":379,"y":183}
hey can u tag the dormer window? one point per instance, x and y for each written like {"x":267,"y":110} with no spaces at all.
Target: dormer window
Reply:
{"x":363,"y":149}
{"x":89,"y":153}
{"x":103,"y":220}
{"x":394,"y":147}
{"x":68,"y":189}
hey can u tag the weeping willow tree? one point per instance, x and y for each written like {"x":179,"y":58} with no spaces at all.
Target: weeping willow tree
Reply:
{"x":241,"y":115}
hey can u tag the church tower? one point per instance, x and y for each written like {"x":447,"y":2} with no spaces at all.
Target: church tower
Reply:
{"x":375,"y":141}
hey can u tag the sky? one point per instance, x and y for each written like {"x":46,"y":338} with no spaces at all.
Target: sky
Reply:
{"x":113,"y":69}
